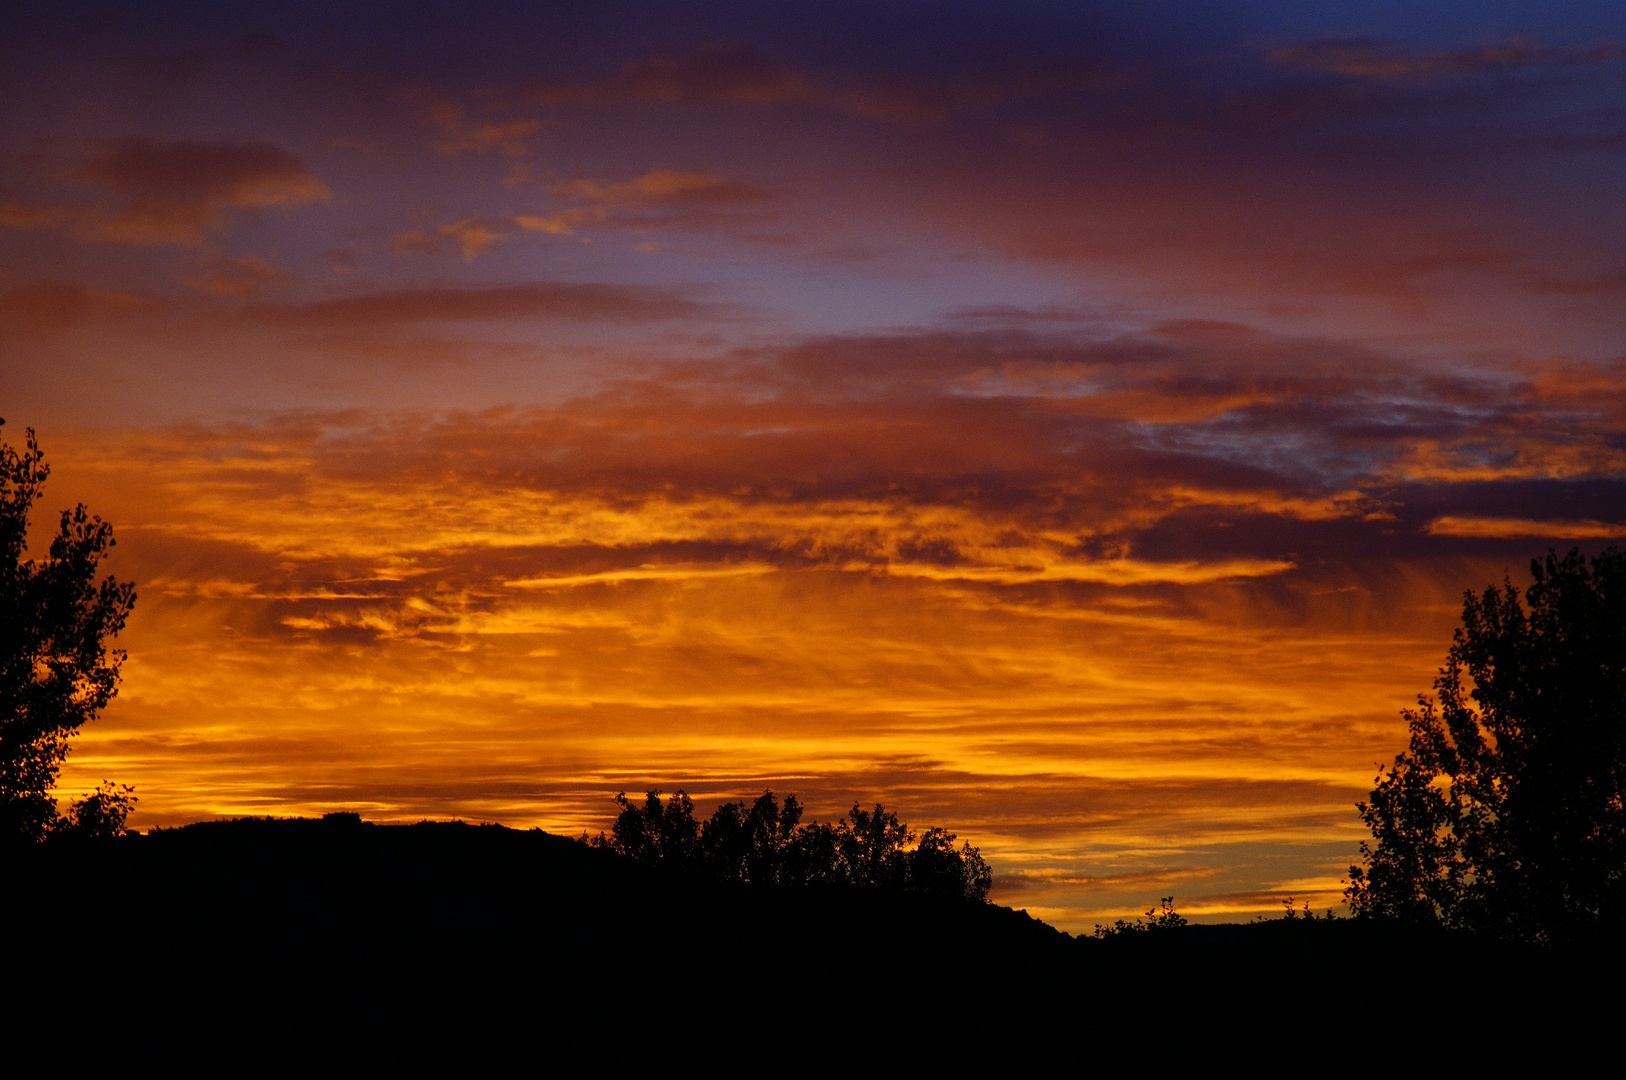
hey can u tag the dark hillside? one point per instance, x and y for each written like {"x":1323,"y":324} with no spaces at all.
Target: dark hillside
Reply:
{"x":450,"y":938}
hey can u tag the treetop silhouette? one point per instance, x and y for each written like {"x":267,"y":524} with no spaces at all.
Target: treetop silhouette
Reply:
{"x":766,"y":843}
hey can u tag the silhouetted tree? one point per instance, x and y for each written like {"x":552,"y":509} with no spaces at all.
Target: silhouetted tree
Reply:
{"x":872,"y":845}
{"x":767,"y":844}
{"x":749,"y":844}
{"x":815,"y":857}
{"x":1507,"y":812}
{"x":55,"y":668}
{"x":657,"y":833}
{"x":98,"y":815}
{"x":936,"y":867}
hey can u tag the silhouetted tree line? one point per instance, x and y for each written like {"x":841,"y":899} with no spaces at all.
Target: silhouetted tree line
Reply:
{"x":1165,"y":917}
{"x":766,"y":843}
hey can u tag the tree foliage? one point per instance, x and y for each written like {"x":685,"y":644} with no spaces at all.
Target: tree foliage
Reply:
{"x":766,"y":843}
{"x":100,"y":814}
{"x":1507,"y":812}
{"x":56,"y":671}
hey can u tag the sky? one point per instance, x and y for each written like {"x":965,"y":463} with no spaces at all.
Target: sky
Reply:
{"x":1071,"y":424}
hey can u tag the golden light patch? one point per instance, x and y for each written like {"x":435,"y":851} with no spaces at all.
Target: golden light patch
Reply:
{"x":1504,"y":528}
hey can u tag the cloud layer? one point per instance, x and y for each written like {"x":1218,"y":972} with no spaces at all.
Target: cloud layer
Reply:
{"x":1075,"y":424}
{"x":1053,"y":589}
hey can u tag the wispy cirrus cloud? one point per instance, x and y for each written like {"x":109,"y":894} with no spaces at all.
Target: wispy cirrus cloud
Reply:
{"x":1369,"y":58}
{"x":977,"y":456}
{"x":658,"y":200}
{"x":470,"y":236}
{"x":665,"y":198}
{"x":570,"y":301}
{"x":1502,"y":528}
{"x":725,"y":75}
{"x":461,"y":132}
{"x":743,"y":77}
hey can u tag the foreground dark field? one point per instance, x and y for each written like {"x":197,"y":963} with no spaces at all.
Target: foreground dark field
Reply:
{"x":297,"y":937}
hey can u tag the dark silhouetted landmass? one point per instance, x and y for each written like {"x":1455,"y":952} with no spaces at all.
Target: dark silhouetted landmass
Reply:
{"x":298,"y":940}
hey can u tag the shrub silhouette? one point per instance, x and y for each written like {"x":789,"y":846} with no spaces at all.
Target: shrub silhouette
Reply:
{"x":1304,"y":914}
{"x":1157,"y":919}
{"x":766,"y":844}
{"x":98,"y":815}
{"x":1507,"y":812}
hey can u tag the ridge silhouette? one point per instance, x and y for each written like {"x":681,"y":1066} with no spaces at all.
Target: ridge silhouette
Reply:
{"x":481,"y":946}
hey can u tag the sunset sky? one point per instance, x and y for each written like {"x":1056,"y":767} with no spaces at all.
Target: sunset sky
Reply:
{"x":1071,"y":424}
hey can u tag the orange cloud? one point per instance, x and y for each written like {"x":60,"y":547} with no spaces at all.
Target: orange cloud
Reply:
{"x":472,"y":237}
{"x":1505,"y":528}
{"x":460,"y":134}
{"x":662,"y":198}
{"x":240,"y":275}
